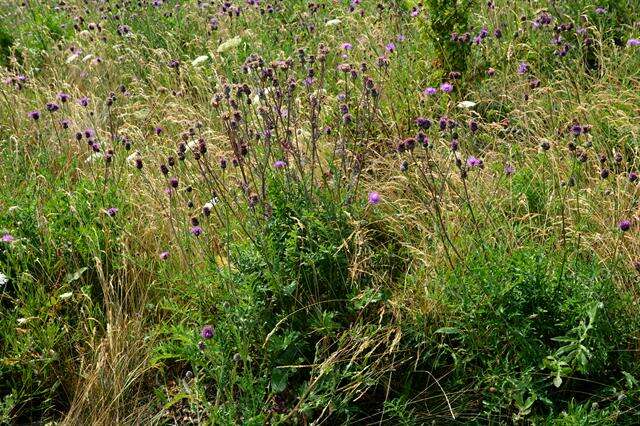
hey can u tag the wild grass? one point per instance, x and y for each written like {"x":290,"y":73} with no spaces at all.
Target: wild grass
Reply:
{"x":254,"y":212}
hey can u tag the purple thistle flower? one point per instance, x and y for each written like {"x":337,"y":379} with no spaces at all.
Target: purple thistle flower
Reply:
{"x":446,"y":87}
{"x":7,"y":238}
{"x":34,"y":115}
{"x":474,"y":162}
{"x":173,"y":182}
{"x":52,"y":107}
{"x":391,"y":47}
{"x":347,"y":46}
{"x":63,"y":97}
{"x":430,"y":91}
{"x":443,"y":123}
{"x":196,"y":231}
{"x":509,"y":170}
{"x":576,"y":129}
{"x":164,"y":255}
{"x":83,"y":101}
{"x":523,"y":68}
{"x":423,"y":123}
{"x":624,"y":225}
{"x":207,"y":332}
{"x":158,"y":130}
{"x":279,"y":164}
{"x":111,"y":211}
{"x":374,"y":198}
{"x":633,"y":42}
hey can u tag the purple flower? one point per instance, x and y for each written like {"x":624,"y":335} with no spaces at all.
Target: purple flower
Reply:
{"x":158,"y":130}
{"x":624,"y":225}
{"x":633,"y":177}
{"x":7,"y":238}
{"x":523,"y":68}
{"x":65,"y":123}
{"x":576,"y":129}
{"x":374,"y":198}
{"x":173,"y":182}
{"x":509,"y":170}
{"x":474,"y":162}
{"x":34,"y":115}
{"x":491,"y":72}
{"x":52,"y":107}
{"x":423,"y":123}
{"x":111,"y":211}
{"x":279,"y":164}
{"x":347,"y":46}
{"x":446,"y":87}
{"x":391,"y":47}
{"x":600,"y":10}
{"x":430,"y":91}
{"x":207,"y":332}
{"x":633,"y":42}
{"x":401,"y":38}
{"x":83,"y":101}
{"x":196,"y":231}
{"x":164,"y":255}
{"x":63,"y":97}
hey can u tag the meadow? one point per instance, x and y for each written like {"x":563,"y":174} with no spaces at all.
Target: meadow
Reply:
{"x":320,"y":212}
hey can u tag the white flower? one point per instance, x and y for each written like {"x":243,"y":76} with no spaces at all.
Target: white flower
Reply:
{"x":3,"y":279}
{"x":232,"y":43}
{"x":333,"y":23}
{"x":94,"y":157}
{"x":200,"y":59}
{"x":466,"y":104}
{"x":133,"y":157}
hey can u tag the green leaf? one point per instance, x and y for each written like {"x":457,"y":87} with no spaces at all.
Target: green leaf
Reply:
{"x":448,"y":330}
{"x":71,"y":277}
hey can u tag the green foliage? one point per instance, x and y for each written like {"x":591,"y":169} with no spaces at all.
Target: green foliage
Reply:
{"x":446,"y":18}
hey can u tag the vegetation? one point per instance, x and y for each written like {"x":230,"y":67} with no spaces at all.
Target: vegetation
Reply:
{"x":285,"y":212}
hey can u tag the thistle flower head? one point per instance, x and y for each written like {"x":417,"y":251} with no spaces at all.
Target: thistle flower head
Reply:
{"x":374,"y":198}
{"x":207,"y":332}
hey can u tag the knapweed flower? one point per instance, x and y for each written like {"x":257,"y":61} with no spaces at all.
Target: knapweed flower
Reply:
{"x":576,"y":130}
{"x":65,"y":123}
{"x":63,"y":97}
{"x":7,"y":238}
{"x":164,"y":255}
{"x":423,"y":123}
{"x":624,"y":225}
{"x":111,"y":211}
{"x":196,"y":231}
{"x":52,"y":106}
{"x":83,"y":101}
{"x":633,"y":42}
{"x":347,"y":46}
{"x":374,"y":198}
{"x":523,"y":68}
{"x":509,"y":170}
{"x":34,"y":115}
{"x":446,"y":87}
{"x":279,"y":164}
{"x":207,"y":332}
{"x":474,"y":162}
{"x":390,"y":47}
{"x":173,"y":182}
{"x":430,"y":91}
